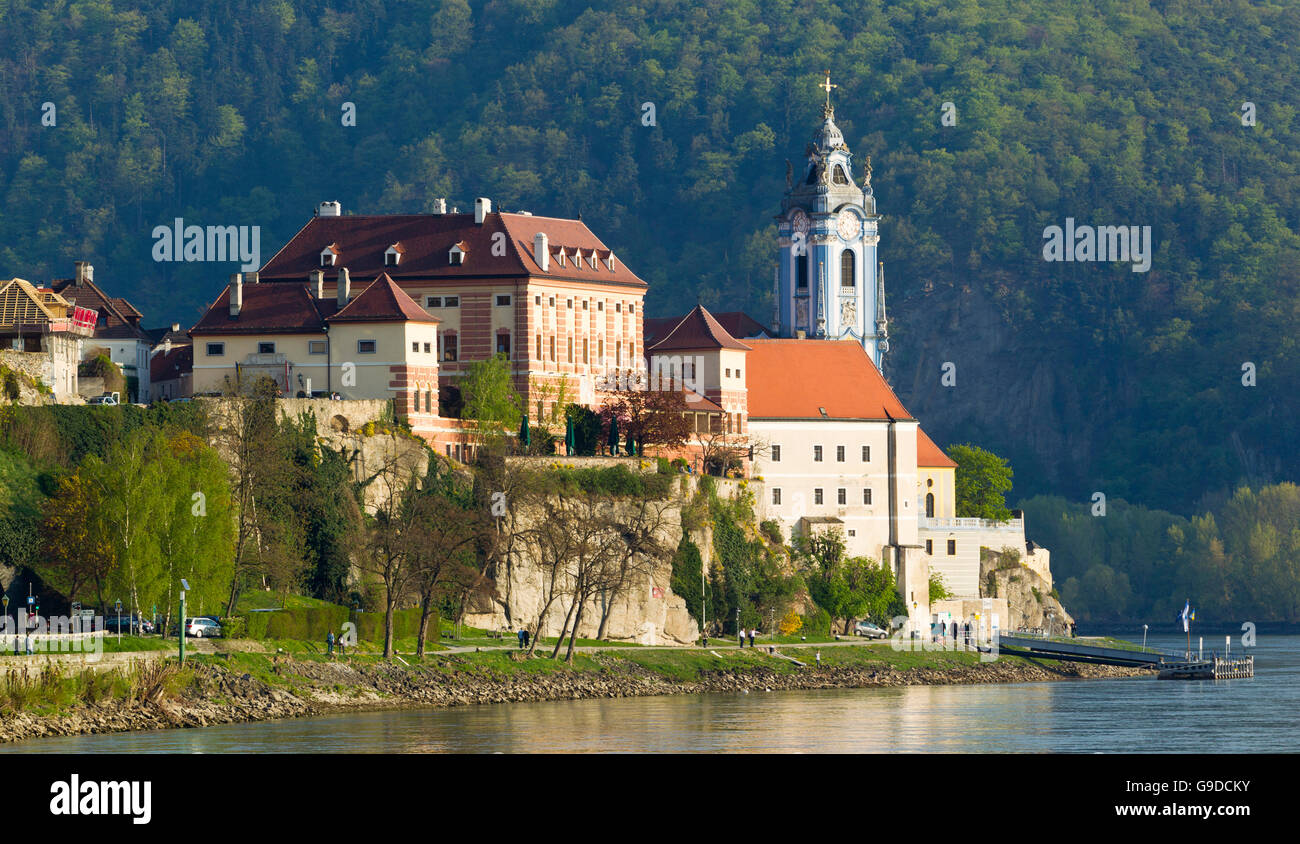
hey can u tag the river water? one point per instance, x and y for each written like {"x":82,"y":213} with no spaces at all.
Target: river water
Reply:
{"x":1110,"y":716}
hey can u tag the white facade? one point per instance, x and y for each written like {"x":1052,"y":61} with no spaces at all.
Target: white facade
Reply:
{"x":130,"y":354}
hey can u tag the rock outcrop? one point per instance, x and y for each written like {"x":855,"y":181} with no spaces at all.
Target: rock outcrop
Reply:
{"x":1031,"y":601}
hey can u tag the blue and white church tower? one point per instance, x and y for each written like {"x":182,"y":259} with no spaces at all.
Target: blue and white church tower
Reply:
{"x":829,"y":283}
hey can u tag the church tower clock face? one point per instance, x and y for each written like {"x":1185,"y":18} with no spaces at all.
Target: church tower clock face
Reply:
{"x":848,"y":225}
{"x":799,"y":221}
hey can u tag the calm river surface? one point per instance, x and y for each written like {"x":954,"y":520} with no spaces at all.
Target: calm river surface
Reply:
{"x":1108,"y":716}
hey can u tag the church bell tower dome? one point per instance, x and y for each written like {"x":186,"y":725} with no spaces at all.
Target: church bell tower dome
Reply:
{"x":827,"y":271}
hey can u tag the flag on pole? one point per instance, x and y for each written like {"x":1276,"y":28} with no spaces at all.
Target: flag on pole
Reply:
{"x":1187,"y":616}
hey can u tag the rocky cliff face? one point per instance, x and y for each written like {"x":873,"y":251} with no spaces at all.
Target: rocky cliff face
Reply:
{"x":1010,"y":392}
{"x":643,"y":610}
{"x":1030,"y":602}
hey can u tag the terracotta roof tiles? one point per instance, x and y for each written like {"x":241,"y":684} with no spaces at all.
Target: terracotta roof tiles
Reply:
{"x":795,"y":379}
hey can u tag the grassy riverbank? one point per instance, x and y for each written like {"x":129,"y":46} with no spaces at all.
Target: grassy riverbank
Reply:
{"x":240,"y":686}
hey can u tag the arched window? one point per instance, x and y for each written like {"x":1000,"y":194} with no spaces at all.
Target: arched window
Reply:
{"x":929,"y":505}
{"x":848,"y":268}
{"x":839,"y":177}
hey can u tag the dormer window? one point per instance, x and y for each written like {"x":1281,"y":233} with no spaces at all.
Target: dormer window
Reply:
{"x":456,"y":256}
{"x":329,"y":255}
{"x":393,"y":255}
{"x":838,"y":176}
{"x":591,"y":259}
{"x":559,"y":257}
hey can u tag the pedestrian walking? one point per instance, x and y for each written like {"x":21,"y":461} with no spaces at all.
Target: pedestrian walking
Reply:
{"x":329,"y":643}
{"x":527,"y":637}
{"x":343,"y":643}
{"x":742,"y":637}
{"x":753,"y":636}
{"x":520,"y":637}
{"x":954,"y":631}
{"x":819,"y":659}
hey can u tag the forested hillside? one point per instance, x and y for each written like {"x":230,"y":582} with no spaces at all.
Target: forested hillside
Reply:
{"x":1088,"y":376}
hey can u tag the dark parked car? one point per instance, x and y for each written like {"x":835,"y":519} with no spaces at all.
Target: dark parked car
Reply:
{"x":139,"y":625}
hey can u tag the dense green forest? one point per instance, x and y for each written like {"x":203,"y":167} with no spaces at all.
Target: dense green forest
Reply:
{"x":1126,"y":112}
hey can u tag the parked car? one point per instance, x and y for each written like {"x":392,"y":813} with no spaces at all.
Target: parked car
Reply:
{"x":106,"y":398}
{"x":869,"y":630}
{"x":139,"y":625}
{"x":202,"y":628}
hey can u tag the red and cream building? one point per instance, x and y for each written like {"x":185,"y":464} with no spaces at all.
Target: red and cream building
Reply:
{"x":544,"y":291}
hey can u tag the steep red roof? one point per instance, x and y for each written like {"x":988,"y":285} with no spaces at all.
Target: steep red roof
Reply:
{"x":121,"y":319}
{"x":697,"y":330}
{"x":738,"y":324}
{"x":283,"y":308}
{"x":929,"y":454}
{"x":383,"y":301}
{"x":426,"y":239}
{"x":794,"y":379}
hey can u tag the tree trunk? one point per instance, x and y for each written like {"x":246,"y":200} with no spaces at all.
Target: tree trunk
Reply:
{"x":388,"y":624}
{"x":568,"y":656}
{"x":606,"y":608}
{"x":426,"y":607}
{"x":559,"y":642}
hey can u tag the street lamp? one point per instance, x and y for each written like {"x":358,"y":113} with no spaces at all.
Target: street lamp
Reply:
{"x":185,"y":587}
{"x":119,"y":622}
{"x":1144,"y":637}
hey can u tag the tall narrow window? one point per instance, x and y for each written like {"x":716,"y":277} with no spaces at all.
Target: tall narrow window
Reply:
{"x":503,"y":344}
{"x":839,"y":454}
{"x":841,"y":496}
{"x":539,"y":346}
{"x":848,"y":268}
{"x":801,"y":272}
{"x":929,"y":505}
{"x":584,"y":350}
{"x":552,"y":349}
{"x":570,"y":350}
{"x":817,"y":454}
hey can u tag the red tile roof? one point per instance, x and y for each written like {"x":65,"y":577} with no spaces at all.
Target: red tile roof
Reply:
{"x":738,"y":324}
{"x":121,"y":319}
{"x":697,"y":330}
{"x":793,"y":379}
{"x":427,"y":239}
{"x":382,"y":301}
{"x":929,"y":454}
{"x":282,"y":308}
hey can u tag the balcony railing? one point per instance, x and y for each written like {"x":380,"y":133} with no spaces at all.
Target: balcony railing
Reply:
{"x":970,"y":524}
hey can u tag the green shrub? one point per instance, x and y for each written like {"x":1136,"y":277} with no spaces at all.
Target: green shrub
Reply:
{"x":816,"y":624}
{"x":772,"y":530}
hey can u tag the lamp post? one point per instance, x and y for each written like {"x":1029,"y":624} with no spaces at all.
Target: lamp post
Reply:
{"x":119,"y":622}
{"x":5,"y":599}
{"x":1144,"y":637}
{"x":185,"y":586}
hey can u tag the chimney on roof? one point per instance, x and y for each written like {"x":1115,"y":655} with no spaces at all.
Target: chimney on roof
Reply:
{"x":329,"y":209}
{"x":344,"y":287}
{"x":542,"y":252}
{"x":440,"y":206}
{"x":236,"y":294}
{"x":482,"y":207}
{"x":176,"y":327}
{"x":85,"y":272}
{"x":316,"y":278}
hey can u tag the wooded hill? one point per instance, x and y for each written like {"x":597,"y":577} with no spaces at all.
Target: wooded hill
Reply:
{"x":1088,"y":376}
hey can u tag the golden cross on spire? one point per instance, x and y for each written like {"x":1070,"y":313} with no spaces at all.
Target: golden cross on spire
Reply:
{"x":827,"y":86}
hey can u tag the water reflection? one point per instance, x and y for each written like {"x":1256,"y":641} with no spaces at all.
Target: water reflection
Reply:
{"x":1139,"y":714}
